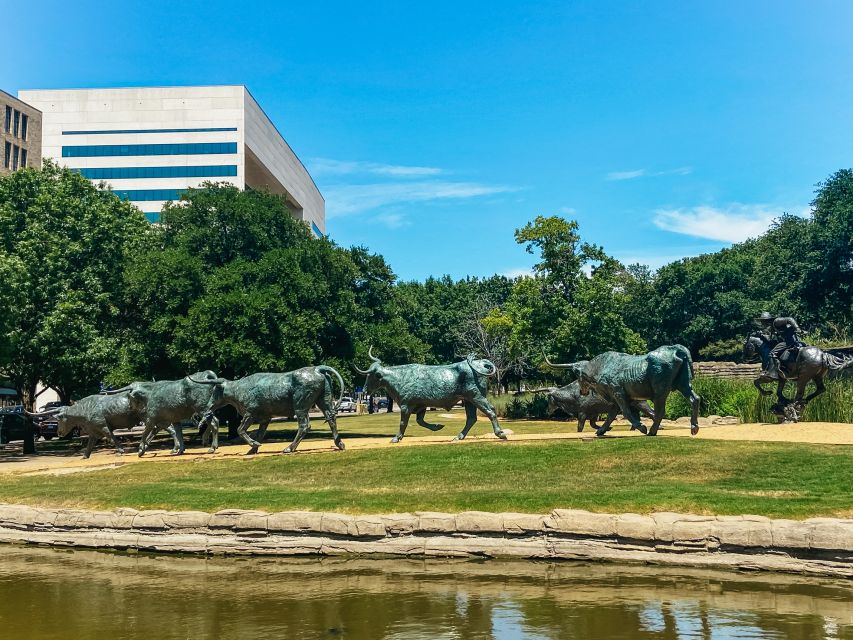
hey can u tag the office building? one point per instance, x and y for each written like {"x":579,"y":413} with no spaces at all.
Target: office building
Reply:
{"x":20,"y":134}
{"x":151,"y":143}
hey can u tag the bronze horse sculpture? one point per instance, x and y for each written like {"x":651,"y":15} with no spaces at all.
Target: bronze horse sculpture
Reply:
{"x":811,"y":364}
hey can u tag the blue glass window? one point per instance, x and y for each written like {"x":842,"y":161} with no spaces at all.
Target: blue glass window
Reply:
{"x":179,"y":149}
{"x":108,"y":131}
{"x":316,"y":230}
{"x":125,"y":173}
{"x":152,"y":216}
{"x":142,"y":195}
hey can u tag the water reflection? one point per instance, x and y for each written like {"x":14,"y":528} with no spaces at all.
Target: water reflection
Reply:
{"x":61,"y":595}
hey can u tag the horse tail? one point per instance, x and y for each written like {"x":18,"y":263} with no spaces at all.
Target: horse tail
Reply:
{"x":836,"y":363}
{"x":326,"y":370}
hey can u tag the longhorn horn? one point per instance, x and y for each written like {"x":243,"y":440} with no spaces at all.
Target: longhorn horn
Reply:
{"x":41,"y":414}
{"x":371,"y":356}
{"x":364,"y":372}
{"x":540,"y":390}
{"x":112,"y":392}
{"x":215,"y":381}
{"x":553,"y":365}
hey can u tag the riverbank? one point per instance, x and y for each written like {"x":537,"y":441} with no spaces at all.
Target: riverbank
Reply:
{"x":816,"y":547}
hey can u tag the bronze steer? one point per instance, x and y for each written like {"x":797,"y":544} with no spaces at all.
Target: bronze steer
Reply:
{"x":168,"y":402}
{"x":263,"y":396}
{"x":416,"y":387}
{"x":588,"y":407}
{"x":97,"y":416}
{"x":625,"y":379}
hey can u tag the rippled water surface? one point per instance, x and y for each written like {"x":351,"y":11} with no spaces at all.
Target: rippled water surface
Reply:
{"x":67,"y":595}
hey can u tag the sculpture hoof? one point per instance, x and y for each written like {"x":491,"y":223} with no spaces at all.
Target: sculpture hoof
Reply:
{"x":501,"y":435}
{"x":395,"y":439}
{"x":599,"y":433}
{"x":252,"y":451}
{"x":642,"y":430}
{"x":580,"y":428}
{"x":694,"y":430}
{"x":211,"y":450}
{"x":140,"y":454}
{"x":340,"y":445}
{"x":288,"y":450}
{"x":460,"y":436}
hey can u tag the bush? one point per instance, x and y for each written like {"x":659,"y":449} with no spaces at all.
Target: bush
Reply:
{"x":533,"y":406}
{"x":723,"y":350}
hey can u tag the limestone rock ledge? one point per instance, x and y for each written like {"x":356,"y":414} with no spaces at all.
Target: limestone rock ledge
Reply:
{"x":818,"y":546}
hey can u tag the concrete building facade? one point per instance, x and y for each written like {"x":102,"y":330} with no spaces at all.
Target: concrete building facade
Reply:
{"x":20,"y":134}
{"x":151,"y":143}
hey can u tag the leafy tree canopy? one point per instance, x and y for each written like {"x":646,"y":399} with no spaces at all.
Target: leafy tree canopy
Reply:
{"x":63,"y":247}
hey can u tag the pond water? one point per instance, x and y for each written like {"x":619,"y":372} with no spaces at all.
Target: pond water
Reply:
{"x":65,"y":595}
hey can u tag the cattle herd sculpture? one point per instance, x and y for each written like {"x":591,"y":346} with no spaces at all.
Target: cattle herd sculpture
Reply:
{"x":609,"y":383}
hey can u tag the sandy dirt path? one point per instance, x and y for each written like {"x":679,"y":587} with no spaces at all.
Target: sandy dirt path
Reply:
{"x":59,"y":464}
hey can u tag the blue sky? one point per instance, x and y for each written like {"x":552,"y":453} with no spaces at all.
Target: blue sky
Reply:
{"x":434,"y":130}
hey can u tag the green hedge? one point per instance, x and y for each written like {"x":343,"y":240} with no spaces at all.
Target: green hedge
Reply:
{"x":719,"y":397}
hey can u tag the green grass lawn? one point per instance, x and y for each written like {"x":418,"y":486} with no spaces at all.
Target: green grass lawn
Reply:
{"x":615,"y":475}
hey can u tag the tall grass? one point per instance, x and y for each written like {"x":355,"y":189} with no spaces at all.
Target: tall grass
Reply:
{"x":740,"y":398}
{"x":719,"y":397}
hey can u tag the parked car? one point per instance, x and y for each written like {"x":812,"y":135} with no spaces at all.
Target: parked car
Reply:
{"x":347,"y":404}
{"x":48,"y":426}
{"x":13,"y":424}
{"x":382,"y":403}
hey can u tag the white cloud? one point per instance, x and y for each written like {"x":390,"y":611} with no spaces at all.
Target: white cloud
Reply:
{"x":645,"y":173}
{"x":626,"y":175}
{"x":567,"y":211}
{"x":392,"y":220}
{"x":347,"y":199}
{"x":327,"y":166}
{"x":734,"y":223}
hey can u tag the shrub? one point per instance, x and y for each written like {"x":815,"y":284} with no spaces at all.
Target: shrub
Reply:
{"x":533,"y":406}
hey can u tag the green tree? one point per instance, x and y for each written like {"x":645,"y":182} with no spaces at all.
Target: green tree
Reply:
{"x":575,"y":304}
{"x":64,"y":244}
{"x":436,"y":308}
{"x":232,"y":282}
{"x":829,"y":285}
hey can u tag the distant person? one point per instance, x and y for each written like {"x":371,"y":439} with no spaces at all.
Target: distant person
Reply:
{"x":370,"y":406}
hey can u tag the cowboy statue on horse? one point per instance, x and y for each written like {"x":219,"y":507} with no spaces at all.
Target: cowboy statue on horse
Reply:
{"x":783,"y":332}
{"x":785,"y":358}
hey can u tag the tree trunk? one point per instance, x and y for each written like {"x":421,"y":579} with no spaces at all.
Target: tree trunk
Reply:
{"x":27,"y":393}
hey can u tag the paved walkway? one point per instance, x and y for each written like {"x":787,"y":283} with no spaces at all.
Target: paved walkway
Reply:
{"x":66,"y":462}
